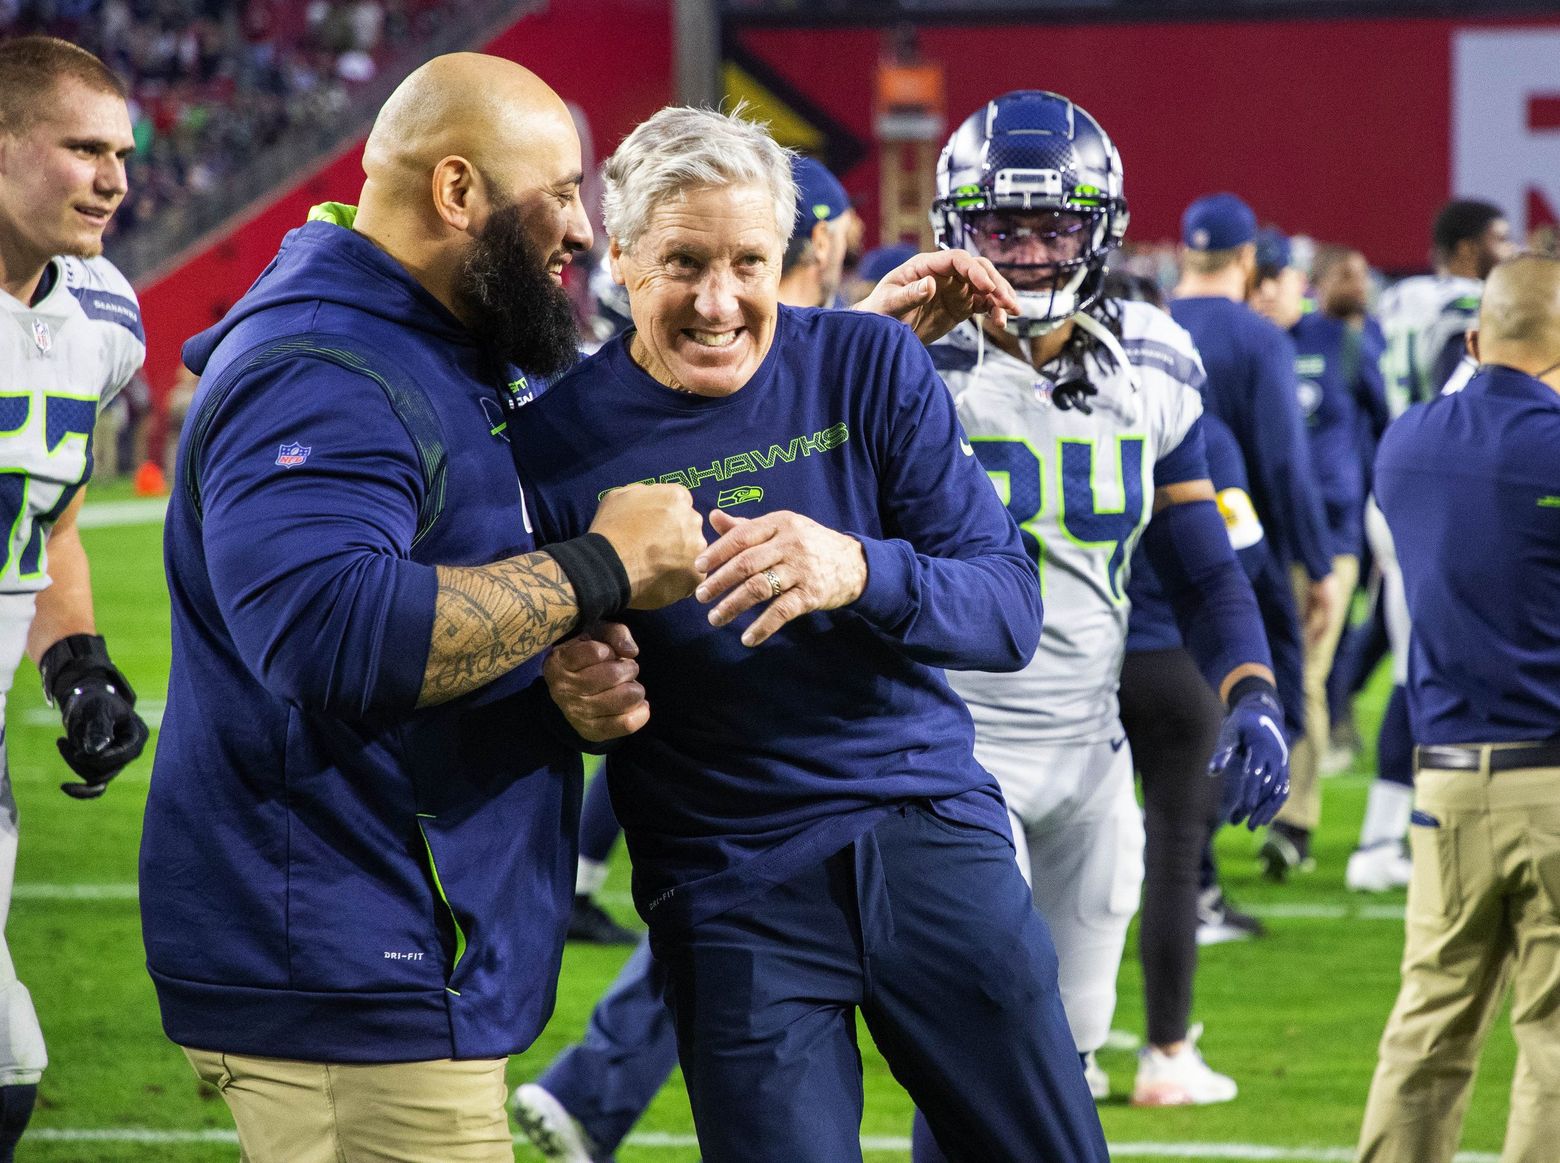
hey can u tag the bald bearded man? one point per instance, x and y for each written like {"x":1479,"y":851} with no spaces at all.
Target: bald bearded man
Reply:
{"x":358,"y":855}
{"x":1476,"y":470}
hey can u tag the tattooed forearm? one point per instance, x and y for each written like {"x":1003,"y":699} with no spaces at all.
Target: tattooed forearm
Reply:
{"x":489,"y":619}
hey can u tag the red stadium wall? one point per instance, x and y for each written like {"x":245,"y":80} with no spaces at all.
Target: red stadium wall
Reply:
{"x":613,"y":58}
{"x":1349,"y":130}
{"x":1342,"y":129}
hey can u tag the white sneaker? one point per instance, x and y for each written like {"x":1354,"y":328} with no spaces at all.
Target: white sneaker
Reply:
{"x":551,"y":1128}
{"x":1179,"y":1079}
{"x":1124,"y":1040}
{"x":1336,"y":760}
{"x":1095,"y":1076}
{"x":1378,"y":868}
{"x":1219,"y":921}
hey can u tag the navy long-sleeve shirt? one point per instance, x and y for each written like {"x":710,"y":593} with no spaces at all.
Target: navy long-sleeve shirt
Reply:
{"x":1470,"y":486}
{"x":1341,"y":393}
{"x":758,"y":761}
{"x":1153,"y":624}
{"x":1251,"y":387}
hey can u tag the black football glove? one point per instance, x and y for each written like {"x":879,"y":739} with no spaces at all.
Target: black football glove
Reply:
{"x":102,"y":731}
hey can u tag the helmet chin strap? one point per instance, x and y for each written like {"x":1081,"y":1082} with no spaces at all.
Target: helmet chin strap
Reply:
{"x":1027,"y":328}
{"x":1130,"y":406}
{"x":1111,"y":344}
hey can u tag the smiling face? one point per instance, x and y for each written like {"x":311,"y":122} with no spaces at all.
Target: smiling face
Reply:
{"x":703,"y":281}
{"x":62,"y":177}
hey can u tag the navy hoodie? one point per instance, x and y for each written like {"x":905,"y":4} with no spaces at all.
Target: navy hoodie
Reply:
{"x":327,"y":872}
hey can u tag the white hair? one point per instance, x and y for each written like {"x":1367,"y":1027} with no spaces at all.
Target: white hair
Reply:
{"x":682,"y":148}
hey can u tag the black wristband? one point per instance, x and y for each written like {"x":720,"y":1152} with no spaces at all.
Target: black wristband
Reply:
{"x":75,"y":658}
{"x":596,"y":572}
{"x":1252,"y":684}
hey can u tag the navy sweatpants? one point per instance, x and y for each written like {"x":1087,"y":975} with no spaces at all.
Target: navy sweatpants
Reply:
{"x":926,"y":927}
{"x":629,"y":1050}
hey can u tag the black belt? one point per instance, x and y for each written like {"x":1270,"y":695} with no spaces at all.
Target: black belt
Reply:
{"x":1455,"y":757}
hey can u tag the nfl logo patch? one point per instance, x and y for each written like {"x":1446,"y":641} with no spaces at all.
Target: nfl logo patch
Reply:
{"x":292,"y":455}
{"x":41,"y":336}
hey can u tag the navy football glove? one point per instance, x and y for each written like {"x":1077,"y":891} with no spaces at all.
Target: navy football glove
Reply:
{"x":102,"y":731}
{"x":1253,"y":757}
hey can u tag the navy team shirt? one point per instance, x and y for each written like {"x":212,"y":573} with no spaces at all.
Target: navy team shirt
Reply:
{"x":1251,"y":387}
{"x":1340,"y":392}
{"x":758,"y":762}
{"x":1470,"y":487}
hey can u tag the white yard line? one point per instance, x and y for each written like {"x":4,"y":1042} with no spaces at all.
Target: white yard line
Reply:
{"x":1300,"y":911}
{"x":74,"y":892}
{"x":103,"y":514}
{"x":874,"y":1144}
{"x":43,"y":715}
{"x":1293,"y":911}
{"x":41,"y":891}
{"x":38,"y":890}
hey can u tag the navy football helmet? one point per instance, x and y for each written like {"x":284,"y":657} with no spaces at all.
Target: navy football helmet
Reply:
{"x":1034,"y":184}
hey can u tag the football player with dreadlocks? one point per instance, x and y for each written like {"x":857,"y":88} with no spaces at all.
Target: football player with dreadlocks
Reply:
{"x":1086,"y":413}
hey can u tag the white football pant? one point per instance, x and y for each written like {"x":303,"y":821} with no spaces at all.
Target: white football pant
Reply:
{"x":22,"y":1056}
{"x":1079,"y":834}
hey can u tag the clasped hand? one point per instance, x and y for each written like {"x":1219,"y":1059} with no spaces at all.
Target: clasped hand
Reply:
{"x":784,"y":559}
{"x":787,"y":562}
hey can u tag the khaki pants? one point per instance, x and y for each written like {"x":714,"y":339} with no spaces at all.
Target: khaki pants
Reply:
{"x":404,"y":1112}
{"x":1483,"y":912}
{"x":1304,"y":807}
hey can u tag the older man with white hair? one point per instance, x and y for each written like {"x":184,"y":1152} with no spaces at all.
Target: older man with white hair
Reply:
{"x":811,"y":834}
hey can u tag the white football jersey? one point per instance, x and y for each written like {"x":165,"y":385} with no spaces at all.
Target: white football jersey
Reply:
{"x":61,"y":360}
{"x":1081,"y":488}
{"x":1419,"y":317}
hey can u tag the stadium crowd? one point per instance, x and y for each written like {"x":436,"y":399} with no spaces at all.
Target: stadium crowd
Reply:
{"x":213,"y":84}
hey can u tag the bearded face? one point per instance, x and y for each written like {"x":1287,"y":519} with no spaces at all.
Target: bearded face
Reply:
{"x":511,"y":301}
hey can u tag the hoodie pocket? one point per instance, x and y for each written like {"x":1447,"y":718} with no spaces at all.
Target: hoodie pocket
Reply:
{"x":455,"y":929}
{"x":363,"y":913}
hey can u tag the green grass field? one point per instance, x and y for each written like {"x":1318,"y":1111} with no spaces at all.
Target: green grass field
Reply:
{"x":1294,"y":1018}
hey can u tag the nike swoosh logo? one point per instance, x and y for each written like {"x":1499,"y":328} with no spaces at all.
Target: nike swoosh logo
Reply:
{"x":1115,"y":744}
{"x":968,"y":448}
{"x":1277,"y":734}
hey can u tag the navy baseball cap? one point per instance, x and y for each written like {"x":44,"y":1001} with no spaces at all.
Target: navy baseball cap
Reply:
{"x":877,"y":263}
{"x":1218,"y":222}
{"x":819,"y":195}
{"x":1273,"y":250}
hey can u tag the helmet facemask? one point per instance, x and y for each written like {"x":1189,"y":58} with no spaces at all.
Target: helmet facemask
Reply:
{"x":1032,"y":183}
{"x":1047,"y":254}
